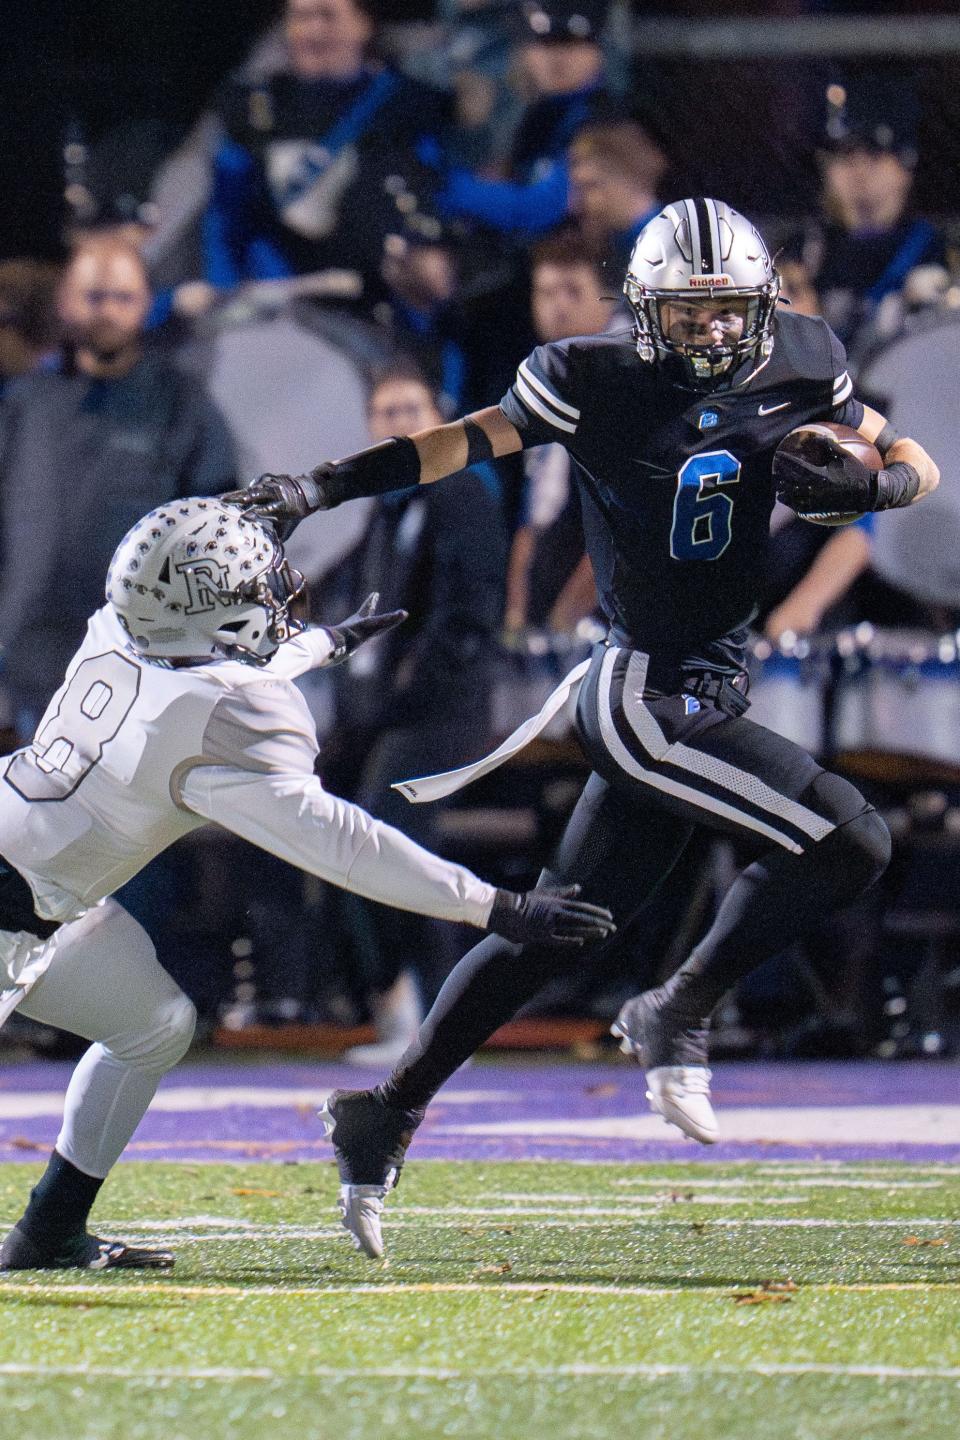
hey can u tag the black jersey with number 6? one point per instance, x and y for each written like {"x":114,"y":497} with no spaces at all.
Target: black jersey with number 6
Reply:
{"x":676,"y":484}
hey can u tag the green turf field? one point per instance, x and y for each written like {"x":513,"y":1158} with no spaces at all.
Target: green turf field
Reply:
{"x":541,"y":1301}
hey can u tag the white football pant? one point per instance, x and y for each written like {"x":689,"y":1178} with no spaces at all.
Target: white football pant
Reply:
{"x":106,"y":985}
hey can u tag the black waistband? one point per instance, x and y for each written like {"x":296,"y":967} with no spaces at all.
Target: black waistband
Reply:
{"x":668,"y":669}
{"x":16,"y":905}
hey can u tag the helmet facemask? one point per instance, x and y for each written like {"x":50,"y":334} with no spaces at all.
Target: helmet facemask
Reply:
{"x":281,"y":593}
{"x":705,"y":365}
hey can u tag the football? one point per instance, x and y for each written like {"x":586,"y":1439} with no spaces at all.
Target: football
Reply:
{"x":808,"y":441}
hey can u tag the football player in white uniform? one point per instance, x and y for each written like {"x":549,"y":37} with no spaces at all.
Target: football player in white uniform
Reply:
{"x":179,"y":708}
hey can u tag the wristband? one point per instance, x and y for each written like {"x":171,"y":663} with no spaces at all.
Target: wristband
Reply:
{"x":896,"y":485}
{"x":392,"y":465}
{"x":887,"y":438}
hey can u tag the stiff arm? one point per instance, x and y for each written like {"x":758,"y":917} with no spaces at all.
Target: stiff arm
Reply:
{"x":484,"y":435}
{"x":395,"y":464}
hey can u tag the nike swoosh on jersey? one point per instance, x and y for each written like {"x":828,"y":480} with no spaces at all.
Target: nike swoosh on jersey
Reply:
{"x":769,"y":409}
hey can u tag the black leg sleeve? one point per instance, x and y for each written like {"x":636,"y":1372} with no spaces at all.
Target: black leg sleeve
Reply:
{"x":619,"y":855}
{"x":59,"y":1205}
{"x":781,"y":896}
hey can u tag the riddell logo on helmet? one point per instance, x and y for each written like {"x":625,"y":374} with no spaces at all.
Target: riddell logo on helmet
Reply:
{"x":708,"y":282}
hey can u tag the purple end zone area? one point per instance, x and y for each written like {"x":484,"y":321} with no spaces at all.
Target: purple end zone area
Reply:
{"x":217,"y":1111}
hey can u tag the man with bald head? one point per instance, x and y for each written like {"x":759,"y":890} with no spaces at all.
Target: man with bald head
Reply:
{"x":88,"y":444}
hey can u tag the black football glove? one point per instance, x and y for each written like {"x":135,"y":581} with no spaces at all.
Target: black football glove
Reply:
{"x":365,"y":625}
{"x":818,"y":477}
{"x":554,"y":918}
{"x":283,"y":499}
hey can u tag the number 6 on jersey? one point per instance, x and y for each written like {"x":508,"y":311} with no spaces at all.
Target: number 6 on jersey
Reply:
{"x":702,"y":521}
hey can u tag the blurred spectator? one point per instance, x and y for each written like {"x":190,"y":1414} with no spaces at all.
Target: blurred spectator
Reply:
{"x":560,"y":54}
{"x":421,"y":270}
{"x":103,"y":434}
{"x":549,"y":581}
{"x":420,"y":703}
{"x":448,"y":295}
{"x":615,"y":172}
{"x":28,"y":327}
{"x":810,"y":571}
{"x":861,"y":253}
{"x":319,"y":157}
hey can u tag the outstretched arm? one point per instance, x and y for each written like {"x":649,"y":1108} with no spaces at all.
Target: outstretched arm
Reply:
{"x":254,"y":776}
{"x":291,"y":815}
{"x":394,"y":465}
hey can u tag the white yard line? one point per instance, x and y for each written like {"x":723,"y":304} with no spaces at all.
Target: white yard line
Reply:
{"x":647,"y":1212}
{"x":674,"y":1194}
{"x":861,"y":1125}
{"x":250,"y":1230}
{"x":196,"y":1099}
{"x":528,"y":1372}
{"x":161,"y":1289}
{"x":766,"y":1182}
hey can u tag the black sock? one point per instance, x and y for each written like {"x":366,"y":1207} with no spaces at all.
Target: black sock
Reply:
{"x":60,"y":1203}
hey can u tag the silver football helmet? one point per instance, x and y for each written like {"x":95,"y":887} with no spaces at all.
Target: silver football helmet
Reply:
{"x":197,"y":579}
{"x":697,"y":250}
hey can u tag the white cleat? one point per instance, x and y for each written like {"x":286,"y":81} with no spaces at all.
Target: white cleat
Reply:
{"x":369,"y":1139}
{"x":681,"y":1094}
{"x":361,"y":1207}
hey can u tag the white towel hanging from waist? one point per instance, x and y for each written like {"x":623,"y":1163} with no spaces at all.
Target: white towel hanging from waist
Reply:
{"x":435,"y":787}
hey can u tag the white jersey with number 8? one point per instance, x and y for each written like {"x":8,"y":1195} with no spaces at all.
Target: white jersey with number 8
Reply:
{"x":131,"y":755}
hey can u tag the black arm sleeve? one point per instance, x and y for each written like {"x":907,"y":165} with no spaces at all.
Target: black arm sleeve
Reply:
{"x":392,"y":465}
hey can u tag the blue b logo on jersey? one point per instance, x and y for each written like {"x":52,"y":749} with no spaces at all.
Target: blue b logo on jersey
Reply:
{"x":708,"y":418}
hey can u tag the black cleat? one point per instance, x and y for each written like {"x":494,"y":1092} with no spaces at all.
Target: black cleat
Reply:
{"x":370,"y":1140}
{"x":673,"y":1052}
{"x":87,"y":1252}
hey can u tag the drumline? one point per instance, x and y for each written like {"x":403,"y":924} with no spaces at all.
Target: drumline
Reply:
{"x":879,"y":704}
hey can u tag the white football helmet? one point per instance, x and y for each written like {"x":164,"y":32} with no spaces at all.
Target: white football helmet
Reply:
{"x":197,"y":579}
{"x":702,"y":249}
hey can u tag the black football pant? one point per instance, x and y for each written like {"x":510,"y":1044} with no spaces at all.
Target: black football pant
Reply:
{"x":662,"y":766}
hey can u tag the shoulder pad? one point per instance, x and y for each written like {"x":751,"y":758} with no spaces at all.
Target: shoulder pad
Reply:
{"x":610,"y":347}
{"x":804,"y":345}
{"x":264,"y":725}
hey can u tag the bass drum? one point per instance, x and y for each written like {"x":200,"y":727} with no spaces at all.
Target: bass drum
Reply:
{"x":291,"y":384}
{"x":788,"y":690}
{"x":897,"y":707}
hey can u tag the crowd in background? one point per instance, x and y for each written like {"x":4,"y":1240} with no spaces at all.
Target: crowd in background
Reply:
{"x":366,"y":226}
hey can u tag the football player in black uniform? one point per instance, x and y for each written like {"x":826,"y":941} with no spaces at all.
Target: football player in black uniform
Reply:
{"x":673,"y":422}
